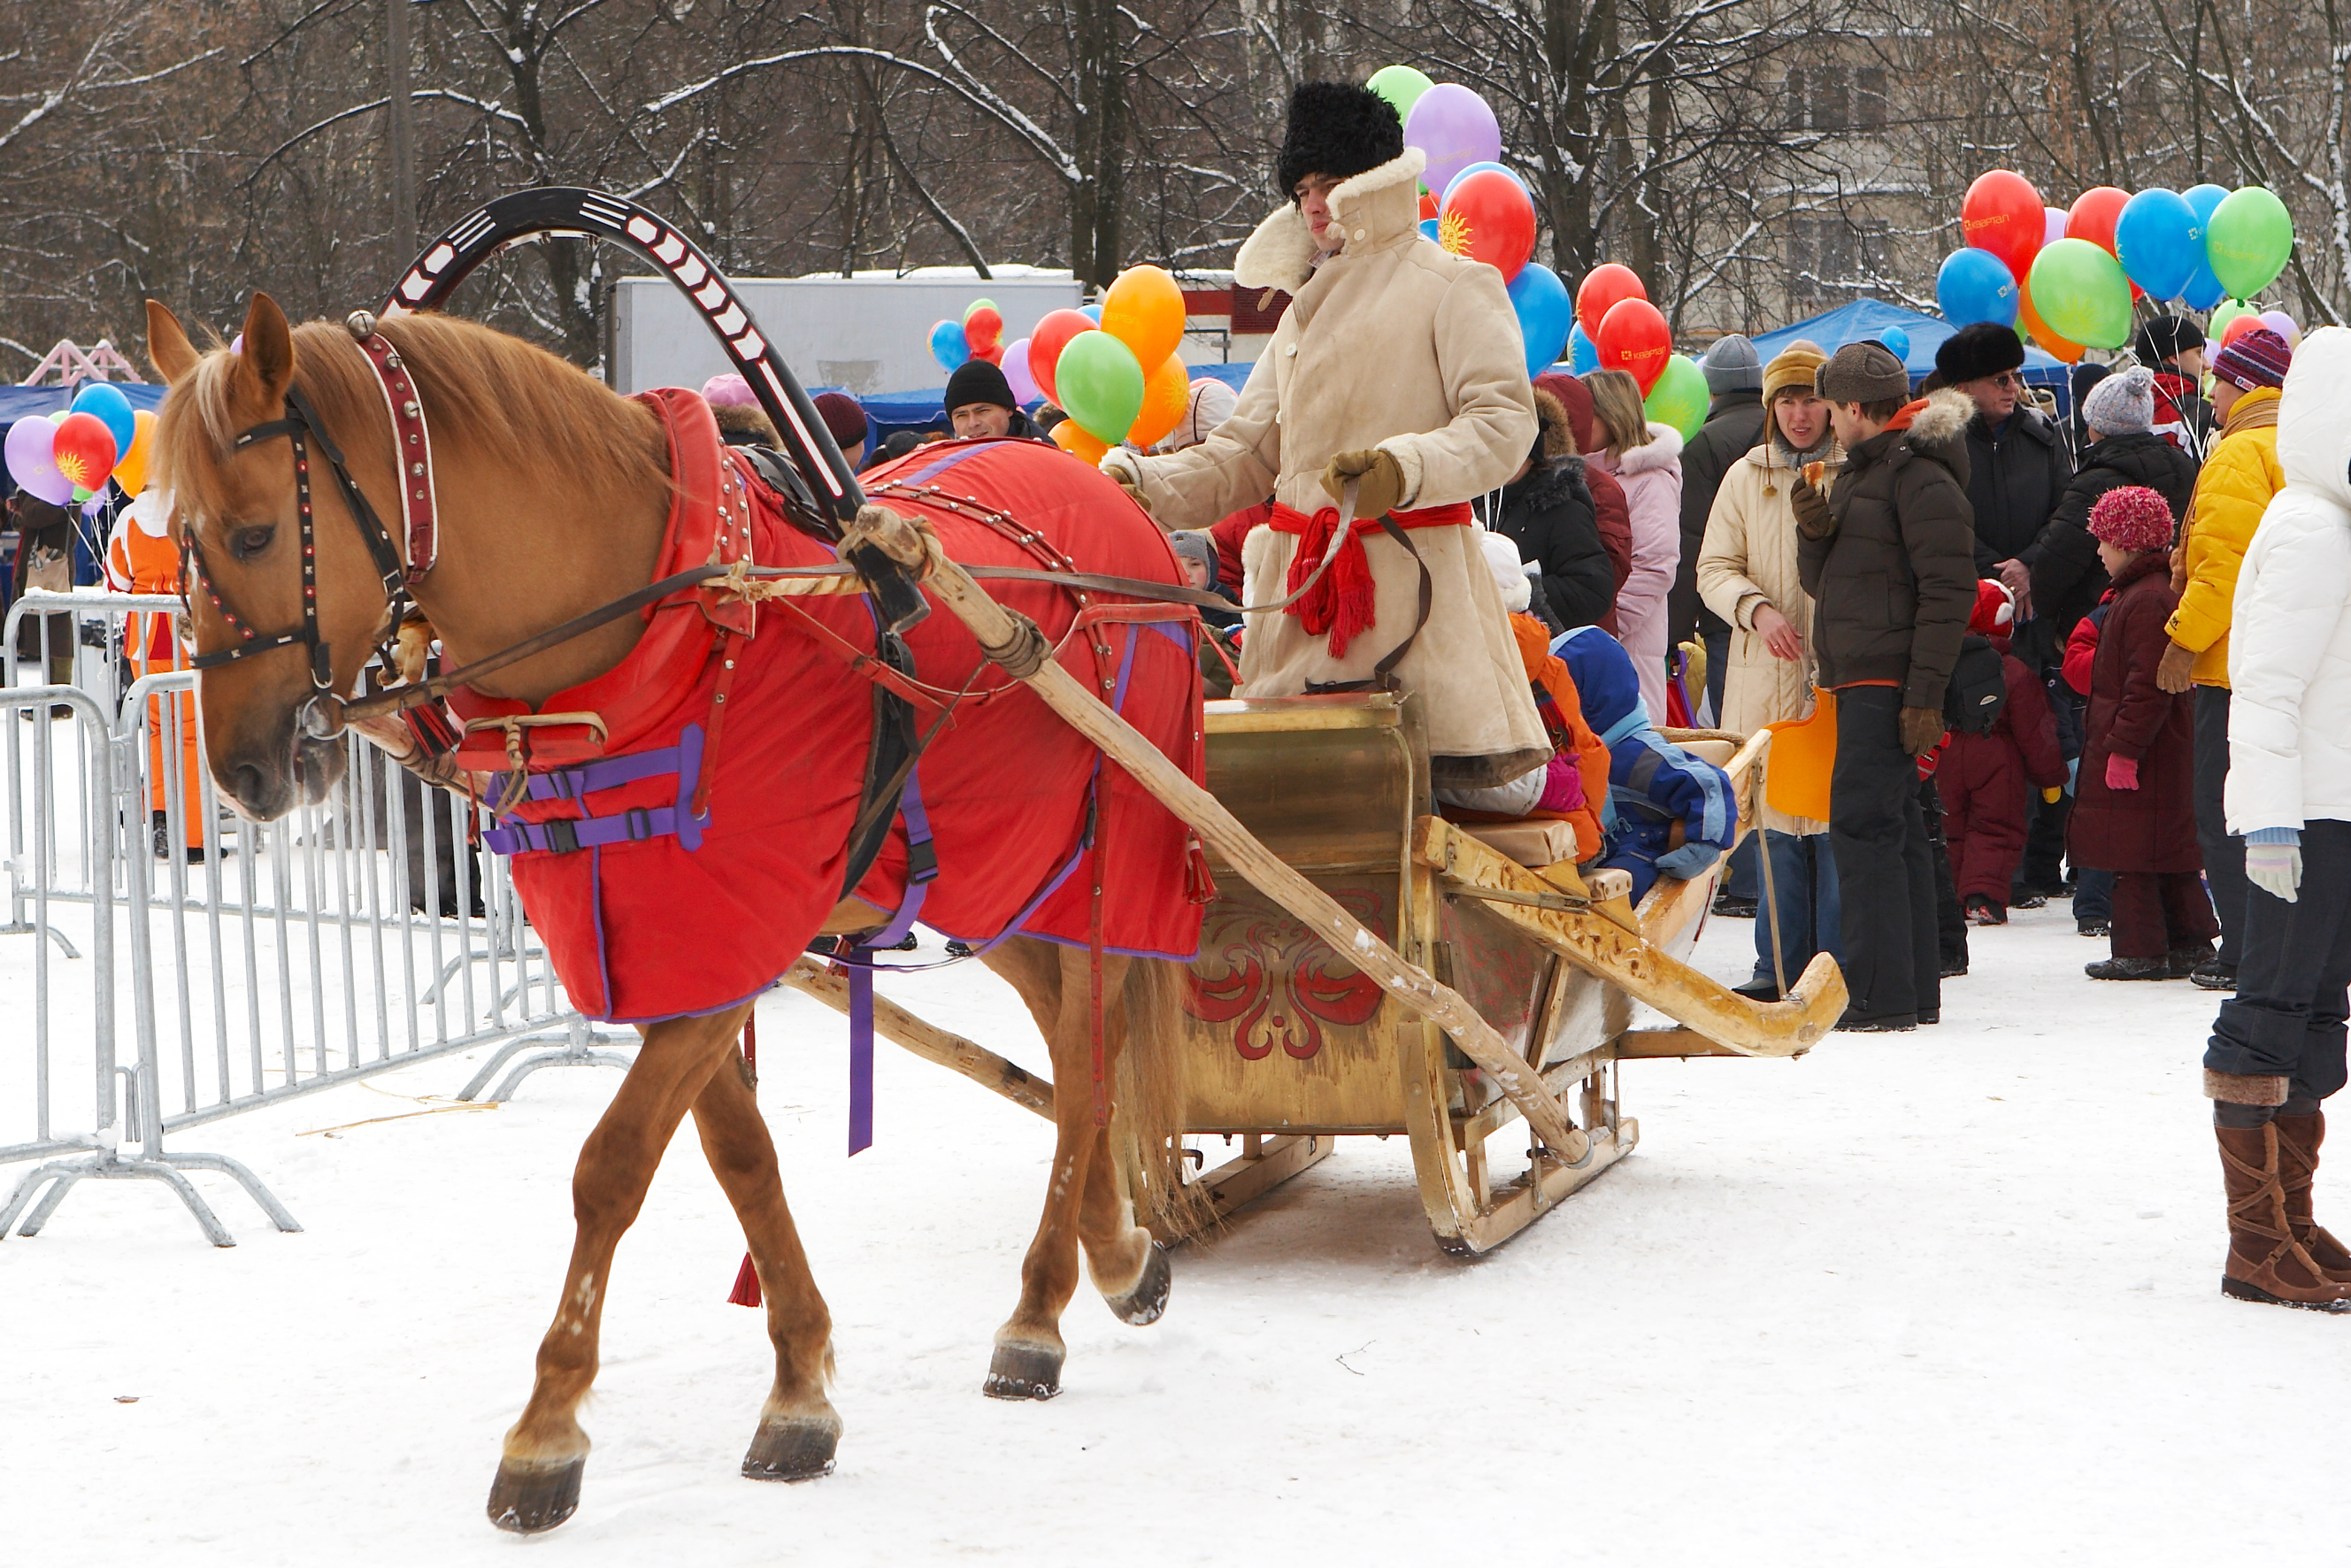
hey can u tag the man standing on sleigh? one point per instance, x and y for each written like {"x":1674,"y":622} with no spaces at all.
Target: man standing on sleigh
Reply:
{"x":1399,"y":366}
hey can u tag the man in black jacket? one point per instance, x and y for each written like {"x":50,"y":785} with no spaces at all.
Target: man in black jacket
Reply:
{"x":1734,"y":424}
{"x":1887,"y":559}
{"x":2017,"y":466}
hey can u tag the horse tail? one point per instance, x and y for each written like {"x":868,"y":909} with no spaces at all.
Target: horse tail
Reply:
{"x":1152,"y":1103}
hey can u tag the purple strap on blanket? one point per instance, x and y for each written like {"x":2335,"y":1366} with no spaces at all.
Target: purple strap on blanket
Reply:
{"x":922,"y":869}
{"x":562,"y":835}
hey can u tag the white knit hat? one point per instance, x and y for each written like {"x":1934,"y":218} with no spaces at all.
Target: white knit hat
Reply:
{"x":1211,"y":404}
{"x":1509,"y":573}
{"x":2122,"y":405}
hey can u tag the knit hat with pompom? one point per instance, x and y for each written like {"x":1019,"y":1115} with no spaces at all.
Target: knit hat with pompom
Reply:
{"x":2132,"y":518}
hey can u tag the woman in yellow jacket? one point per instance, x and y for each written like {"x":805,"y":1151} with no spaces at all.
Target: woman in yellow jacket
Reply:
{"x":2232,"y":492}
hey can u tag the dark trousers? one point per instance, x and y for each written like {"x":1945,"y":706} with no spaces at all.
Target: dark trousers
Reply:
{"x":2157,"y":912}
{"x":1886,"y":868}
{"x":2287,"y":1017}
{"x":1742,"y":878}
{"x":2094,"y":896}
{"x":1718,"y":667}
{"x":2224,"y":855}
{"x":2043,"y":869}
{"x":1950,"y":915}
{"x":1803,"y":876}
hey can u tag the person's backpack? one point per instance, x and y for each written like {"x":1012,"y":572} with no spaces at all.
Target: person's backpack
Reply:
{"x":1978,"y":687}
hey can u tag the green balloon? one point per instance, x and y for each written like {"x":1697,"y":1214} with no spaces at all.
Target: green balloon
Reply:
{"x":2223,"y":314}
{"x":1401,"y":86}
{"x":2079,"y":289}
{"x":1101,"y":384}
{"x":1679,"y":396}
{"x":2248,"y":240}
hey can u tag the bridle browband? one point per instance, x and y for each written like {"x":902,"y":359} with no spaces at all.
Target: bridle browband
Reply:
{"x":414,"y":468}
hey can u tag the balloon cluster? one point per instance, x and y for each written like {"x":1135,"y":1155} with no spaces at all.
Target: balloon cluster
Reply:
{"x":2068,"y":276}
{"x":68,"y":458}
{"x":1113,"y":368}
{"x":978,"y":336}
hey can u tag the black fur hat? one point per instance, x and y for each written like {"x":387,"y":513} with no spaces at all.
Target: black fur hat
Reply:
{"x":1978,"y":350}
{"x":1337,"y":128}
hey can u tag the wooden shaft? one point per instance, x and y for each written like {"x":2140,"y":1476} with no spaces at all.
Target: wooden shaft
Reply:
{"x":1015,"y":645}
{"x":894,"y":1023}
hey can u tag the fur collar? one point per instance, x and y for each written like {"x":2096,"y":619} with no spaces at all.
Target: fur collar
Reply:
{"x":1281,"y":253}
{"x":1664,"y":450}
{"x":1943,"y":421}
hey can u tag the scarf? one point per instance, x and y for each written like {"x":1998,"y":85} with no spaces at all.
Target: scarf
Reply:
{"x":1341,"y":603}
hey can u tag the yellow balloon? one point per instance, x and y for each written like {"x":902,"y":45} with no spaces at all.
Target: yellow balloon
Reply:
{"x":1165,"y":393}
{"x":1074,"y":438}
{"x":1144,"y":308}
{"x":131,"y":471}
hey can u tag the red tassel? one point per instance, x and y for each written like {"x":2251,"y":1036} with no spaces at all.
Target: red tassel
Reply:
{"x":745,"y":1292}
{"x":1200,"y":882}
{"x":1341,"y":603}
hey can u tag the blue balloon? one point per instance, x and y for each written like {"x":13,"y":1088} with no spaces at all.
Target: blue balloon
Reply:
{"x":949,"y":347}
{"x":2160,"y":241}
{"x":112,"y":410}
{"x":1975,"y":285}
{"x":1091,"y":313}
{"x":1428,"y":230}
{"x":1473,"y":169}
{"x":1545,"y":313}
{"x":2203,"y":291}
{"x":1898,"y":341}
{"x":1582,"y":356}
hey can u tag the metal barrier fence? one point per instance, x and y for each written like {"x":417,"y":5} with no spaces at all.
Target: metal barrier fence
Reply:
{"x":356,"y":936}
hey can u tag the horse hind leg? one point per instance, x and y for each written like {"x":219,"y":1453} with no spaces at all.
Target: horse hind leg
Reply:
{"x":545,"y":1453}
{"x":799,"y":1428}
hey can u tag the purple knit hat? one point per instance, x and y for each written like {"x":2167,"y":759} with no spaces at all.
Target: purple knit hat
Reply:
{"x":2132,"y":518}
{"x":2257,"y":359}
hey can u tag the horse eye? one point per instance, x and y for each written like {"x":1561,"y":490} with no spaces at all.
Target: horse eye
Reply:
{"x":246,"y":543}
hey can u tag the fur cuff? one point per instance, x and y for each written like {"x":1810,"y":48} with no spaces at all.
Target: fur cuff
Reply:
{"x":2243,"y":1089}
{"x":1407,"y":458}
{"x":1279,"y":254}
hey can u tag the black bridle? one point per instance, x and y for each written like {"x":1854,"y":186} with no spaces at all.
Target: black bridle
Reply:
{"x":301,"y":426}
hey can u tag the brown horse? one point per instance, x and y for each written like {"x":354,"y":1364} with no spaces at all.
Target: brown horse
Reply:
{"x":554,"y":493}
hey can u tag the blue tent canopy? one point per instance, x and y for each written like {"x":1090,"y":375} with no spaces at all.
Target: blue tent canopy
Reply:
{"x":17,"y":401}
{"x":1866,"y":319}
{"x":927,"y":409}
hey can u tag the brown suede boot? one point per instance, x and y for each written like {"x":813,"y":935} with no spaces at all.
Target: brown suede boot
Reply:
{"x":2265,"y":1262}
{"x":2298,"y":1141}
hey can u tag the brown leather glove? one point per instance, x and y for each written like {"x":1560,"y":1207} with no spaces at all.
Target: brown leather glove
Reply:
{"x":2179,"y":664}
{"x":1382,"y":487}
{"x":1922,"y":729}
{"x":1813,"y":519}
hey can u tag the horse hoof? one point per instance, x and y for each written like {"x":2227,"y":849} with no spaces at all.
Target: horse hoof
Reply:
{"x":798,"y":1449}
{"x":529,"y":1499}
{"x":1149,"y":1301}
{"x":1023,"y":1371}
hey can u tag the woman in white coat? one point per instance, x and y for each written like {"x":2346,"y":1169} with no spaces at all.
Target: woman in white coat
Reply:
{"x":2277,"y":1047}
{"x":1646,"y":459}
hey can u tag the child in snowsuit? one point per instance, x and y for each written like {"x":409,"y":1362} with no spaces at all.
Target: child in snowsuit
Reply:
{"x":1984,"y":778}
{"x":1667,"y":813}
{"x":2135,"y":812}
{"x":2094,"y":891}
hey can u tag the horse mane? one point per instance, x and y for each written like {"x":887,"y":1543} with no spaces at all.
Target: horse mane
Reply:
{"x":499,"y":390}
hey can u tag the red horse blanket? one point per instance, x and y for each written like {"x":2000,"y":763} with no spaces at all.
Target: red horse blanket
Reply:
{"x":662,"y":913}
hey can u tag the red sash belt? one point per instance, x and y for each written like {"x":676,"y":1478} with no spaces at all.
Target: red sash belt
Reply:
{"x":1342,"y":603}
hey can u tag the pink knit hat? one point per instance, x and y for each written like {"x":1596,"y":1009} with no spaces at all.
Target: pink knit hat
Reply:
{"x":729,"y":390}
{"x":2132,"y":518}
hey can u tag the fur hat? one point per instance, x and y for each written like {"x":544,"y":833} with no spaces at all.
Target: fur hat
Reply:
{"x":1797,"y":365}
{"x":976,"y":380}
{"x":1978,"y":350}
{"x":1862,"y":372}
{"x":1574,"y":400}
{"x":2257,"y":359}
{"x":1337,"y":128}
{"x":1995,"y":607}
{"x":2160,"y":338}
{"x":1551,"y":426}
{"x":1730,"y":365}
{"x":2132,"y":518}
{"x":1509,"y":573}
{"x":2122,"y":405}
{"x":842,"y":417}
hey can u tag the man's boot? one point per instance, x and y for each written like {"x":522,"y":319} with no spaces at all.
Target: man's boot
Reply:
{"x":2265,"y":1262}
{"x":2299,"y":1136}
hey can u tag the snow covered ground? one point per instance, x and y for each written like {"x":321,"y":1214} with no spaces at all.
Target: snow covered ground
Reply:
{"x":1947,"y":1297}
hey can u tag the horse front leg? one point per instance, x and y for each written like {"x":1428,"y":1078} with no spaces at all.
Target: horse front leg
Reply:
{"x":799,"y":1428}
{"x":537,"y":1484}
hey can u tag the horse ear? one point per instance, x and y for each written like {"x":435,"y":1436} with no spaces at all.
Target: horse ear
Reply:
{"x":266,"y":362}
{"x":168,"y":348}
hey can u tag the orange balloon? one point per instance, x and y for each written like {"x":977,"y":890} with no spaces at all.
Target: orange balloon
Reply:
{"x":2056,"y":346}
{"x":1166,"y":391}
{"x":1072,"y":438}
{"x":1144,"y":308}
{"x":130,"y":468}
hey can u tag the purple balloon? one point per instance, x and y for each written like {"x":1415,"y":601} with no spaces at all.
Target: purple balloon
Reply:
{"x":2052,"y":224}
{"x":32,"y":460}
{"x":1453,"y":129}
{"x":1025,"y":389}
{"x":2281,"y":323}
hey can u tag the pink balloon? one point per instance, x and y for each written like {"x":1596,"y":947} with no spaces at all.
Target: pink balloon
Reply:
{"x":32,"y":460}
{"x":2053,"y":227}
{"x":1015,"y":366}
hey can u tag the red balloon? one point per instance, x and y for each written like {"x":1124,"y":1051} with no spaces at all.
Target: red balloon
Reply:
{"x":2238,"y":327}
{"x":1634,"y":337}
{"x":984,"y":329}
{"x":84,"y":449}
{"x":1046,"y":343}
{"x":2002,"y":214}
{"x":1488,"y":217}
{"x":1602,"y":287}
{"x":993,"y":353}
{"x":1428,"y":205}
{"x":2094,"y":215}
